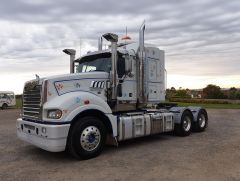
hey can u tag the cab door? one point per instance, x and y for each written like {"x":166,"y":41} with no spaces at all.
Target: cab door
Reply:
{"x":127,"y":82}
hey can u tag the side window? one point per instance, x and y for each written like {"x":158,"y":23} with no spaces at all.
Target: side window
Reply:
{"x":90,"y":68}
{"x":1,"y":95}
{"x":4,"y":96}
{"x":10,"y":96}
{"x":120,"y":66}
{"x":78,"y":68}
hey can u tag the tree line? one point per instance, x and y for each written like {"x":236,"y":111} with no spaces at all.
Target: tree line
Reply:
{"x":209,"y":92}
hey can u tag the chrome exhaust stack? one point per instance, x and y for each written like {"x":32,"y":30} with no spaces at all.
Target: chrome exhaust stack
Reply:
{"x":113,"y":38}
{"x":100,"y":44}
{"x":142,"y":97}
{"x":72,"y":54}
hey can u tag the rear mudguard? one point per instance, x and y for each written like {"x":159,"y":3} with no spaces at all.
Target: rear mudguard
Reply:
{"x":195,"y":111}
{"x":178,"y":112}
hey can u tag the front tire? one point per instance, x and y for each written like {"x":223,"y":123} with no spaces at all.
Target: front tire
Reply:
{"x":87,"y":138}
{"x":185,"y":127}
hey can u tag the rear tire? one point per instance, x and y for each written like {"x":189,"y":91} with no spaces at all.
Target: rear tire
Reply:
{"x":87,"y":138}
{"x":202,"y":121}
{"x":185,"y":127}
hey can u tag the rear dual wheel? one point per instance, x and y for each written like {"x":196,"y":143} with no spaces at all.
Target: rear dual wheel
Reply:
{"x":202,"y":121}
{"x":185,"y":127}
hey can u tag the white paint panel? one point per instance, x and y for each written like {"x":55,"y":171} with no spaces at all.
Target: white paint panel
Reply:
{"x":155,"y":72}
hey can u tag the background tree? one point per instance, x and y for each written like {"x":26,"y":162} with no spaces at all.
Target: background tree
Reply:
{"x":173,"y":89}
{"x":237,"y":95}
{"x":170,"y":93}
{"x":182,"y":93}
{"x":232,"y":93}
{"x":212,"y":92}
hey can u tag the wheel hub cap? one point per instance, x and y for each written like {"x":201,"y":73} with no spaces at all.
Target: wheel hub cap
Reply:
{"x":90,"y":138}
{"x":186,"y":123}
{"x":202,"y":121}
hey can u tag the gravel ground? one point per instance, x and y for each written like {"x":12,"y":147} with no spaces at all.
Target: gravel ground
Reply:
{"x":211,"y":155}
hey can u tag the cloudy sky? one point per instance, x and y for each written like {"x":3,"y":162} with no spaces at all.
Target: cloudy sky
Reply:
{"x":201,"y":38}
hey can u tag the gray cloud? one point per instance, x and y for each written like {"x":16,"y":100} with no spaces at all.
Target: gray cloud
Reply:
{"x":202,"y":37}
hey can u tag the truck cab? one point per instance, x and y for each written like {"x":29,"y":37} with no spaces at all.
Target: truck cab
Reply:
{"x":109,"y":96}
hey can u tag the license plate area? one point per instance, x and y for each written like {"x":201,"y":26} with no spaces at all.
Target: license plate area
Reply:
{"x":33,"y":130}
{"x":29,"y":127}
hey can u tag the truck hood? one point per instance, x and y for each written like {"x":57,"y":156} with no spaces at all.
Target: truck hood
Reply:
{"x":74,"y":76}
{"x":85,"y":75}
{"x":94,"y":82}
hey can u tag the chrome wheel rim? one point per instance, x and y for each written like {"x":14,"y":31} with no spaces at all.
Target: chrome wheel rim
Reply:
{"x":187,"y":124}
{"x":90,"y":138}
{"x":202,"y":120}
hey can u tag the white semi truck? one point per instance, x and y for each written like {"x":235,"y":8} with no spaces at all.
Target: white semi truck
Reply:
{"x":114,"y":95}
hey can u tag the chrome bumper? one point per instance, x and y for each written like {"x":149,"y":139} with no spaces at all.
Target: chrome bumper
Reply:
{"x":52,"y":138}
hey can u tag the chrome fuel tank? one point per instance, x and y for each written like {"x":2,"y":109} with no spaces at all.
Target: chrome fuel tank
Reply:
{"x":132,"y":126}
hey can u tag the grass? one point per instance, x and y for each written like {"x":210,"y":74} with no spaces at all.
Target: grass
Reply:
{"x":18,"y":103}
{"x":211,"y":106}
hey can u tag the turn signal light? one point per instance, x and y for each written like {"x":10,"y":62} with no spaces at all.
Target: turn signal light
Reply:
{"x":86,"y":102}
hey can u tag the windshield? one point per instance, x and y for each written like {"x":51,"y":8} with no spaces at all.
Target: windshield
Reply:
{"x":101,"y":62}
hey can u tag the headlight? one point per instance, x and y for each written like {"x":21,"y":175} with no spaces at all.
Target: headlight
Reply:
{"x":54,"y":114}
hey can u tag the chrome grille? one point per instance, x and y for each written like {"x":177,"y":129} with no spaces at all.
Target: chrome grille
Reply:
{"x":32,"y":100}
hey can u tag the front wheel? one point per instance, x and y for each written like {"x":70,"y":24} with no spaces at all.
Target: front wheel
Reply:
{"x":87,"y":138}
{"x":185,"y":127}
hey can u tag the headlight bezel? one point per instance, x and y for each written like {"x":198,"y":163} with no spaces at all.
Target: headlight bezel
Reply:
{"x":54,"y":114}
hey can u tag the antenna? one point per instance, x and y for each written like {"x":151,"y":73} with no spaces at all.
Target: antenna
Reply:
{"x":126,"y":36}
{"x":80,"y":46}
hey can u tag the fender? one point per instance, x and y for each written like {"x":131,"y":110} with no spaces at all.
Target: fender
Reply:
{"x":195,"y":111}
{"x":177,"y":113}
{"x":78,"y":110}
{"x":74,"y":103}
